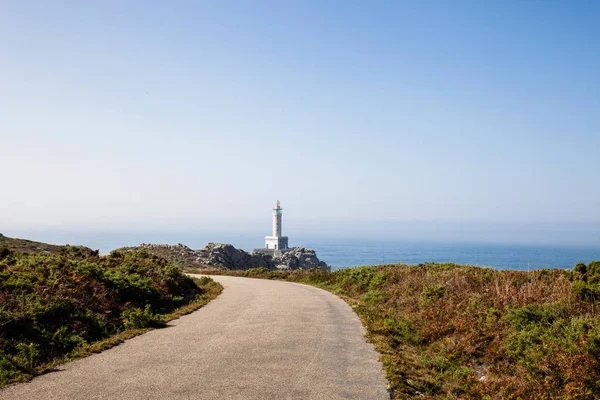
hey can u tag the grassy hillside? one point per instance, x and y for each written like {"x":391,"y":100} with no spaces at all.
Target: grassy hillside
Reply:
{"x":448,"y":331}
{"x":29,"y":246}
{"x":60,"y":306}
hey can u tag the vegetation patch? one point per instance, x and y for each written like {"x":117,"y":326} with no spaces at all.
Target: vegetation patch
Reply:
{"x":30,"y":246}
{"x":60,"y":306}
{"x":455,"y":331}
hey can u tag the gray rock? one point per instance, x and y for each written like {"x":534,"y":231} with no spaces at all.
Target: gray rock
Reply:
{"x":226,"y":256}
{"x":219,"y":255}
{"x":178,"y":254}
{"x":299,"y":258}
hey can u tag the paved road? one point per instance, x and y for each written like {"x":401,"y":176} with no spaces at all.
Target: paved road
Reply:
{"x":258,"y":340}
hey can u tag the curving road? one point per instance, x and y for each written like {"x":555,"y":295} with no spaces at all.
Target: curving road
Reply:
{"x":258,"y":340}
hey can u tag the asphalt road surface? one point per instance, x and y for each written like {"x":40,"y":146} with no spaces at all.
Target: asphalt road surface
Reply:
{"x":259,"y":339}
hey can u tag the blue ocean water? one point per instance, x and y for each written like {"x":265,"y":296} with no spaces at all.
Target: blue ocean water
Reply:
{"x":340,"y":253}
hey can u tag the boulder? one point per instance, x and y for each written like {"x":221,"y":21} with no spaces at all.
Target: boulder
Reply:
{"x":299,"y":258}
{"x":226,"y":256}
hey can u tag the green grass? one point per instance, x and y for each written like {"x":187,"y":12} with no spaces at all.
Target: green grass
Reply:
{"x":58,"y":307}
{"x":455,"y":331}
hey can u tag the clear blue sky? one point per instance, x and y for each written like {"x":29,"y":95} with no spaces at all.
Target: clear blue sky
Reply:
{"x":199,"y":115}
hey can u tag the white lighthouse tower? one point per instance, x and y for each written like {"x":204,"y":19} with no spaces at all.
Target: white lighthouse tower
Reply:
{"x":277,"y":243}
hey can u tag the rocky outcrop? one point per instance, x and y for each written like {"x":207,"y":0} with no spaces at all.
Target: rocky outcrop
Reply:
{"x":219,"y":255}
{"x":227,"y":256}
{"x":178,"y":254}
{"x":299,"y":258}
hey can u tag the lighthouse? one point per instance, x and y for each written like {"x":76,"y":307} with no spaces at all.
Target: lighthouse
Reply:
{"x":276,"y":243}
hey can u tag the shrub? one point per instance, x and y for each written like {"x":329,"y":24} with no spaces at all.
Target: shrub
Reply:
{"x":256,"y":271}
{"x":140,"y":319}
{"x":433,"y":293}
{"x":401,"y":329}
{"x":27,"y":356}
{"x":586,"y":291}
{"x":534,"y":314}
{"x":359,"y":280}
{"x":593,"y":272}
{"x":588,"y":273}
{"x":204,"y":280}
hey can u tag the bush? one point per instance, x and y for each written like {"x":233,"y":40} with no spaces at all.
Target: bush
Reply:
{"x":140,"y":319}
{"x":587,"y":273}
{"x":586,"y":291}
{"x":204,"y":280}
{"x":593,"y":272}
{"x":401,"y":330}
{"x":534,"y":314}
{"x":433,"y":293}
{"x":256,"y":271}
{"x":359,"y":280}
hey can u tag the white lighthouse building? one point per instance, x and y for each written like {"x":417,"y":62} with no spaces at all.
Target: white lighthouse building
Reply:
{"x":275,"y":244}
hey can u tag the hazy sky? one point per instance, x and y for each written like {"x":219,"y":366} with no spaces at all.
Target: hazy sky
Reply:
{"x":199,"y":115}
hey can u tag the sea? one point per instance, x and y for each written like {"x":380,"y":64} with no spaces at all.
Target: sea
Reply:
{"x":498,"y":256}
{"x":351,"y":252}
